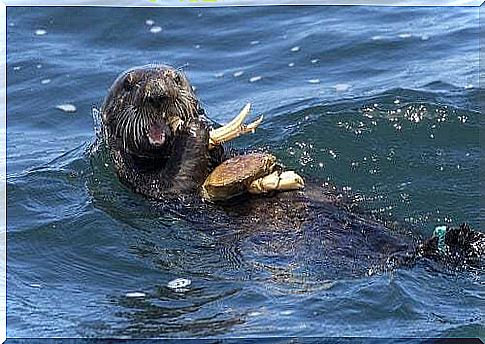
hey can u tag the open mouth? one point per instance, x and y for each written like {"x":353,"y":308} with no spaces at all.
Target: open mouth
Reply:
{"x":156,"y":134}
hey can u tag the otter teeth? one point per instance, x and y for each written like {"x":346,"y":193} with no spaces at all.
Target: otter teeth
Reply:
{"x":234,"y":128}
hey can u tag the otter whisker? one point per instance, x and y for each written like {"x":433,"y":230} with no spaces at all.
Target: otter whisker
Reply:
{"x":179,"y":109}
{"x":187,"y":106}
{"x":185,"y":65}
{"x":176,"y":105}
{"x":127,"y":132}
{"x":129,"y":126}
{"x":121,"y":126}
{"x":144,"y":120}
{"x":191,"y":102}
{"x":136,"y":131}
{"x":184,"y":111}
{"x":189,"y":96}
{"x":119,"y":122}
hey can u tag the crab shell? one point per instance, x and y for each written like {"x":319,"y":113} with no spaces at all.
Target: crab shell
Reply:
{"x":234,"y":176}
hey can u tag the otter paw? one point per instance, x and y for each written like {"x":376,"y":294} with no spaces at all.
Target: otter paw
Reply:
{"x":285,"y":181}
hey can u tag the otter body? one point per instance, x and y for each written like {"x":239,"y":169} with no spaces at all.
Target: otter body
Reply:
{"x":316,"y":227}
{"x":157,"y":133}
{"x":158,"y":138}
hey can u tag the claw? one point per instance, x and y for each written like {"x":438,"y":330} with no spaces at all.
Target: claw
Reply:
{"x":285,"y":181}
{"x":234,"y":128}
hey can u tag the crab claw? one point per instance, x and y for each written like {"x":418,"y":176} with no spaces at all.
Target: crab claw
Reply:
{"x":234,"y":128}
{"x":275,"y":181}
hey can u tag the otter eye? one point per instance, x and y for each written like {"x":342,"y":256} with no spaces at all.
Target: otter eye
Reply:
{"x":128,"y":82}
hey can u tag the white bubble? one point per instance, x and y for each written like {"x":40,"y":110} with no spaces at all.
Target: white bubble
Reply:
{"x":179,"y":283}
{"x":45,"y":81}
{"x":254,"y":42}
{"x":287,"y":312}
{"x":405,"y":35}
{"x":197,"y":46}
{"x":66,"y":108}
{"x":155,"y":29}
{"x":149,"y":22}
{"x":424,"y":37}
{"x":238,"y":74}
{"x":35,"y":285}
{"x":342,"y":87}
{"x":16,"y":68}
{"x":314,"y":61}
{"x":39,"y":66}
{"x":255,"y":78}
{"x":376,"y":38}
{"x":40,"y":32}
{"x":314,"y":81}
{"x":135,"y":294}
{"x":295,"y":49}
{"x":291,"y":64}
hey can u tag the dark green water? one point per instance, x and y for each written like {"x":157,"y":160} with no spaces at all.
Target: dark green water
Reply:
{"x":382,"y":103}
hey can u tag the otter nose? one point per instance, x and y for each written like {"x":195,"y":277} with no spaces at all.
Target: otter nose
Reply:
{"x":158,"y":98}
{"x":162,"y":91}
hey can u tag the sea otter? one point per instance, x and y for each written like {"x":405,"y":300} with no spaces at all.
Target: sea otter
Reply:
{"x":160,"y":142}
{"x":157,"y":132}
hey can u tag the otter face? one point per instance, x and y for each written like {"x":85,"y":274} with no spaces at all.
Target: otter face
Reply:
{"x":147,"y":107}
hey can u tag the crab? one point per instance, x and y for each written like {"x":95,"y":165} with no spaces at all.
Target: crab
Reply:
{"x":255,"y":173}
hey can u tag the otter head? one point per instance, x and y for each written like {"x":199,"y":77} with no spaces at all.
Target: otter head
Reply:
{"x":147,"y":107}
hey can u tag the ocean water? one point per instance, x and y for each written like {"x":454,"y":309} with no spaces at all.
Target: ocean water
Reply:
{"x":381,"y":104}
